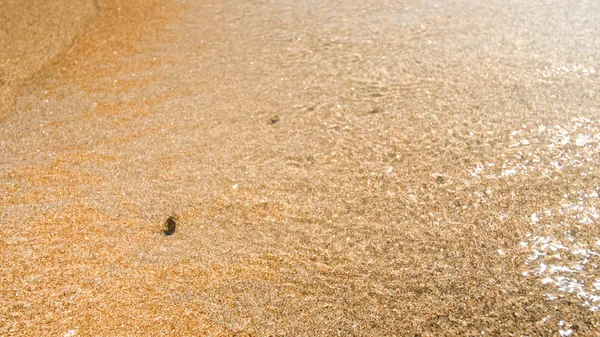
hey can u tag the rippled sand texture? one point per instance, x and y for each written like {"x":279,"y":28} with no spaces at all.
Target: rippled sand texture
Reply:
{"x":33,"y":33}
{"x":337,"y":168}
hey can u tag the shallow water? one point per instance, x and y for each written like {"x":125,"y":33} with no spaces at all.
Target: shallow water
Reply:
{"x":373,"y":168}
{"x":32,"y":34}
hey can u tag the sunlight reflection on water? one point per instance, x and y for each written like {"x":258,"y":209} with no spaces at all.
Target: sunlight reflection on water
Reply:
{"x":558,"y":70}
{"x":561,"y":258}
{"x":563,"y":249}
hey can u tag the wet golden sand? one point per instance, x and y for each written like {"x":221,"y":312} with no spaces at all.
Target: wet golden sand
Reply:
{"x":30,"y":38}
{"x":341,"y":168}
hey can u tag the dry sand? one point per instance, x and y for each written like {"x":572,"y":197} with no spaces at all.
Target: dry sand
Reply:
{"x":336,"y":168}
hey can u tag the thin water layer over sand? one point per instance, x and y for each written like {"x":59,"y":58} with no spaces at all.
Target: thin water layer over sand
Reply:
{"x":33,"y":33}
{"x":337,"y":168}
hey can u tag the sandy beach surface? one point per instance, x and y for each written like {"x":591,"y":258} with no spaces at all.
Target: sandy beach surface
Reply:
{"x":34,"y":33}
{"x":334,"y":168}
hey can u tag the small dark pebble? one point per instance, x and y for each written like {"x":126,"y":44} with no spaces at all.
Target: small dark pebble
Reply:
{"x":376,"y":110}
{"x":440,"y":179}
{"x":274,"y":119}
{"x":170,"y":225}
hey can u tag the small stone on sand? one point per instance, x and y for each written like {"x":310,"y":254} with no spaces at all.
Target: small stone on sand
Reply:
{"x":170,"y":225}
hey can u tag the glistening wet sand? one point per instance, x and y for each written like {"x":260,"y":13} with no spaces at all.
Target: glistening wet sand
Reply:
{"x":432,"y":170}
